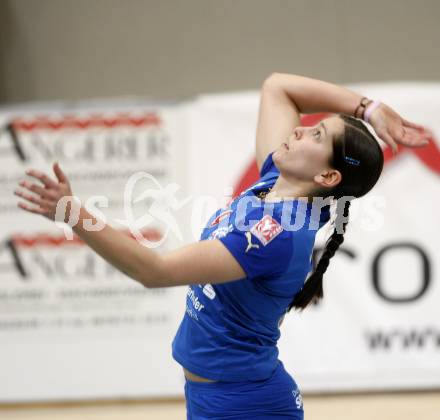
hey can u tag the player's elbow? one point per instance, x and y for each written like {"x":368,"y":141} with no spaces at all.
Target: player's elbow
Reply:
{"x":153,"y":276}
{"x":272,"y":81}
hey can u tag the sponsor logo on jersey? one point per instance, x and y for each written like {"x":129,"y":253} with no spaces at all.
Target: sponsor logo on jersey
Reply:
{"x":249,"y":241}
{"x":192,"y":297}
{"x":221,"y":217}
{"x":298,"y":399}
{"x":209,"y":291}
{"x":266,"y":229}
{"x":221,"y":232}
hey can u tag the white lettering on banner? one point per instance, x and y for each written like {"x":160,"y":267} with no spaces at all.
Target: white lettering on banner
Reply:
{"x":88,"y":139}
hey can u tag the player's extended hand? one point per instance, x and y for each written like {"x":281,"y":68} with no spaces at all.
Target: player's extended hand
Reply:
{"x":394,"y":130}
{"x":42,"y":197}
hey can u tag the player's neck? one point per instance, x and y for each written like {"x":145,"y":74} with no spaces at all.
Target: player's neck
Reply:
{"x":289,"y":190}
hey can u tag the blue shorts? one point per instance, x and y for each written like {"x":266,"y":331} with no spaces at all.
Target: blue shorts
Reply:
{"x":273,"y":398}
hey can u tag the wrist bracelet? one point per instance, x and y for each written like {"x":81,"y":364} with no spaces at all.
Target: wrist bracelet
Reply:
{"x":362,"y":105}
{"x":370,"y":109}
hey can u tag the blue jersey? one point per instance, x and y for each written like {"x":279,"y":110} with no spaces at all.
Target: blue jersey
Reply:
{"x":230,"y":330}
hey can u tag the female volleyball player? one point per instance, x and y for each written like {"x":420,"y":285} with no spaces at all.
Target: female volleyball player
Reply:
{"x":250,"y":267}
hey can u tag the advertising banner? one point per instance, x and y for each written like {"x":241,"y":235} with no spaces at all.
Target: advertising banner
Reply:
{"x":71,"y":325}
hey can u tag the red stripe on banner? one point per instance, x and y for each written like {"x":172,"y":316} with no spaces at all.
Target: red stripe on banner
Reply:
{"x":42,"y":239}
{"x":428,"y":155}
{"x":312,"y":119}
{"x":29,"y":241}
{"x":92,"y":121}
{"x":250,"y":175}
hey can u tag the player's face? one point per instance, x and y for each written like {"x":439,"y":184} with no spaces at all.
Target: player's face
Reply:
{"x":308,"y":151}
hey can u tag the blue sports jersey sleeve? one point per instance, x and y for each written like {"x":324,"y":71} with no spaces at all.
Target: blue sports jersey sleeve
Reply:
{"x":266,"y":249}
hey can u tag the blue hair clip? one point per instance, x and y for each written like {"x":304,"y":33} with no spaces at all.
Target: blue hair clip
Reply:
{"x":352,"y":161}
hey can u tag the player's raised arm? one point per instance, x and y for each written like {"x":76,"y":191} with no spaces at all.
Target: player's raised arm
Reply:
{"x":285,"y":96}
{"x":277,"y":117}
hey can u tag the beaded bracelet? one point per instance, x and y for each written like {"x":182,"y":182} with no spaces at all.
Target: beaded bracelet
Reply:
{"x":362,"y":105}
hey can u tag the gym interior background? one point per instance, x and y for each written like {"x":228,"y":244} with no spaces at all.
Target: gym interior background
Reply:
{"x":169,"y":51}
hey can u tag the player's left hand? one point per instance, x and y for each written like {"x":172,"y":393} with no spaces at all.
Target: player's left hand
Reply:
{"x":42,"y":197}
{"x":394,"y":130}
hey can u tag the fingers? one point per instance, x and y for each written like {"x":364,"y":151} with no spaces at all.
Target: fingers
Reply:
{"x":390,"y":141}
{"x":409,"y":134}
{"x":42,"y":197}
{"x":42,"y":177}
{"x":418,"y":130}
{"x":36,"y":210}
{"x":44,"y":193}
{"x":415,"y":139}
{"x":46,"y":180}
{"x":397,"y":133}
{"x":59,"y":173}
{"x":407,"y":123}
{"x":40,"y":207}
{"x":40,"y":202}
{"x":422,"y":143}
{"x":394,"y":130}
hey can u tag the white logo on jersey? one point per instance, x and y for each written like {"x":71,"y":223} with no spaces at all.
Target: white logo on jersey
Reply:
{"x":221,"y":232}
{"x":266,"y":229}
{"x":194,"y":300}
{"x":298,"y":399}
{"x":221,"y":217}
{"x":250,"y":244}
{"x":209,"y":291}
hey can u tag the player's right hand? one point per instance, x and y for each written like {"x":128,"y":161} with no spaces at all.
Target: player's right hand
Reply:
{"x":43,"y":196}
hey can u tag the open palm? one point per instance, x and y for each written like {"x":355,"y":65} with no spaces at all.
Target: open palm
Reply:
{"x":43,"y":196}
{"x":395,"y":130}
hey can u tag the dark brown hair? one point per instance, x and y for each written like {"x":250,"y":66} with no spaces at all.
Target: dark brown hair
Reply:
{"x":359,"y":158}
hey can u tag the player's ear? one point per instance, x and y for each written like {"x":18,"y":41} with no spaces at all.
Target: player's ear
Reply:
{"x":328,"y":178}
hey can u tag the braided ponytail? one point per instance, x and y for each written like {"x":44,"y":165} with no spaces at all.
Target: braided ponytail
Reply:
{"x":312,"y":290}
